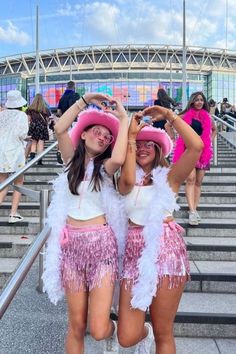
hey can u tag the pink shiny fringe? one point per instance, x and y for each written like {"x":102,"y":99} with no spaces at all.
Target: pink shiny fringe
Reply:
{"x":172,"y":261}
{"x":88,"y":254}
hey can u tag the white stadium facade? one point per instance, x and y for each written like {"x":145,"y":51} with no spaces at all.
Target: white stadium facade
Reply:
{"x":132,"y":72}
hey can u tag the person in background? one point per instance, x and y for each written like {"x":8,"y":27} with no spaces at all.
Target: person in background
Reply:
{"x":38,"y":113}
{"x":163,"y":100}
{"x":13,"y":130}
{"x":225,"y":106}
{"x":68,"y":98}
{"x":155,"y":266}
{"x":196,"y":114}
{"x":213,"y":108}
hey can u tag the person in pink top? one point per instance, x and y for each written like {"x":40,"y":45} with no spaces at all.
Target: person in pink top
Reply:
{"x":197,"y":116}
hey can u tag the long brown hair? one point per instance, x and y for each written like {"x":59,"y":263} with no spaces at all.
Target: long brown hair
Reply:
{"x":76,"y":170}
{"x":39,"y":105}
{"x":159,"y":158}
{"x":192,"y":99}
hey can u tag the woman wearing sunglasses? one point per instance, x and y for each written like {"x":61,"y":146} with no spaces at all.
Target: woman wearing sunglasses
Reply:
{"x":155,"y":266}
{"x":86,"y":220}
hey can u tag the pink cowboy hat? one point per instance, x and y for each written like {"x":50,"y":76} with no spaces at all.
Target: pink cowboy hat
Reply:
{"x":94,"y":117}
{"x":158,"y":136}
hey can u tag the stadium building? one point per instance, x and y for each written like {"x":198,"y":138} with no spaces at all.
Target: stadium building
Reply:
{"x":132,"y":72}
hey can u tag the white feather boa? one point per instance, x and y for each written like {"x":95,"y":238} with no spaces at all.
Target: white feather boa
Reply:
{"x":113,"y":207}
{"x":56,"y":219}
{"x":163,"y":199}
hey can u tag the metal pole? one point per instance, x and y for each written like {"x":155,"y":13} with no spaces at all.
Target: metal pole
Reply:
{"x":171,"y":81}
{"x":215,"y":148}
{"x":19,"y":275}
{"x":44,"y":201}
{"x":70,"y":68}
{"x":37,"y":51}
{"x":184,"y":96}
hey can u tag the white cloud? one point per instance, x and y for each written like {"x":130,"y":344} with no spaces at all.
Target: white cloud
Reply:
{"x":147,"y":21}
{"x":12,"y":34}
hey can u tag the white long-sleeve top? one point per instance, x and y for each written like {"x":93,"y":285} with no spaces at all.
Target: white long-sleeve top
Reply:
{"x":13,"y":130}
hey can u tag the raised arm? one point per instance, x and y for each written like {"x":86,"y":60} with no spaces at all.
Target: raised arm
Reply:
{"x":64,"y":123}
{"x":119,"y":151}
{"x":181,"y":169}
{"x":127,"y":178}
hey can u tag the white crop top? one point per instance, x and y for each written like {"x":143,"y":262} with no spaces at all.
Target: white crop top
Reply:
{"x":86,"y":205}
{"x":137,"y":202}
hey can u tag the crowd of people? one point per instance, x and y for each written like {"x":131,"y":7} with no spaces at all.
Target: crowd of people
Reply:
{"x":112,"y":211}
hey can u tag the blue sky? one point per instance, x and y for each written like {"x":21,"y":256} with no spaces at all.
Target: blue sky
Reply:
{"x":88,"y":22}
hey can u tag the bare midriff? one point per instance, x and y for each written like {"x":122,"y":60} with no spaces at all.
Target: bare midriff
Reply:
{"x":167,"y":219}
{"x":98,"y":220}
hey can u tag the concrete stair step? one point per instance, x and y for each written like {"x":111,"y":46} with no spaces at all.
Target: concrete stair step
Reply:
{"x":210,"y":227}
{"x":213,"y":315}
{"x":219,"y":169}
{"x":14,"y":246}
{"x":216,"y":187}
{"x":211,"y":248}
{"x":212,"y":198}
{"x":46,"y":168}
{"x":25,"y":209}
{"x":29,"y":226}
{"x":7,"y":267}
{"x":227,"y":211}
{"x":38,"y":185}
{"x":212,"y":277}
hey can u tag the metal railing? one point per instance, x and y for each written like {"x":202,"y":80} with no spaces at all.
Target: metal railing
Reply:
{"x":220,"y":121}
{"x":10,"y":179}
{"x":20,"y":273}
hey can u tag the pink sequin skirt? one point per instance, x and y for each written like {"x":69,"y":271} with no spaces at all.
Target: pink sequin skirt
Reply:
{"x":88,"y":254}
{"x":172,"y":261}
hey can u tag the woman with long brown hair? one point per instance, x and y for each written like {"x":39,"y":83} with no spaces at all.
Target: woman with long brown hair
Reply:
{"x":38,"y":113}
{"x":155,"y":266}
{"x":196,"y":114}
{"x":84,"y":215}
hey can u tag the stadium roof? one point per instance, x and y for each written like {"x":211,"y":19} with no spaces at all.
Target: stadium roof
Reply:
{"x":119,"y":57}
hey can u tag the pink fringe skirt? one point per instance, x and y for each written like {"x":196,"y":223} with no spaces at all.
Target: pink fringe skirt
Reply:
{"x":88,"y":254}
{"x":172,"y":261}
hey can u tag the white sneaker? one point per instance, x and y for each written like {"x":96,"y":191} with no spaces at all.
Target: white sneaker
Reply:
{"x":111,"y":345}
{"x":193,"y":220}
{"x":144,"y":346}
{"x":198,"y":216}
{"x":15,"y":218}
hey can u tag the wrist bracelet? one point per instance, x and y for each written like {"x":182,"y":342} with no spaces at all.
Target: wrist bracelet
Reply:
{"x":84,"y":101}
{"x":131,"y":141}
{"x":173,"y":120}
